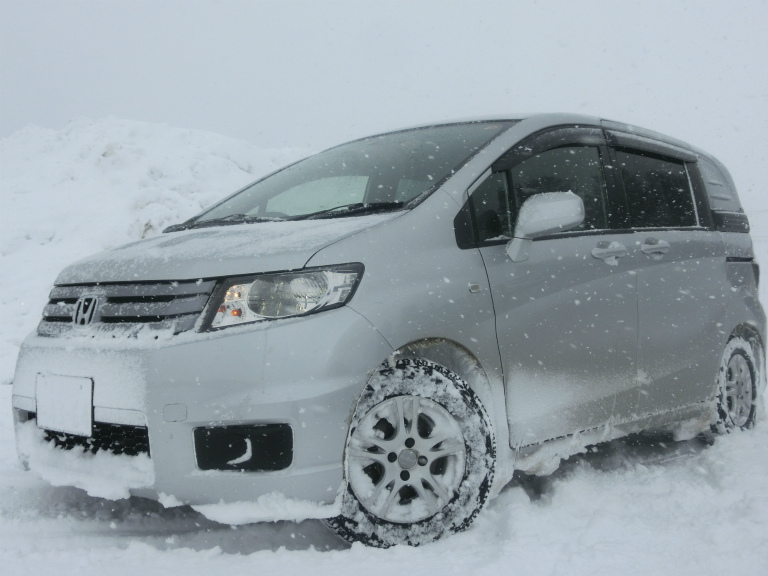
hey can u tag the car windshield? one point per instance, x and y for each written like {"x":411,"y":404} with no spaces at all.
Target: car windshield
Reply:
{"x":375,"y":174}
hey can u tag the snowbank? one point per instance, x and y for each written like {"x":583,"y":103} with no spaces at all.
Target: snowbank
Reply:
{"x":268,"y":508}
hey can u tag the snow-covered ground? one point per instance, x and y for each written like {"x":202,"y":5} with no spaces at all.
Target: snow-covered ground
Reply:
{"x":630,"y":508}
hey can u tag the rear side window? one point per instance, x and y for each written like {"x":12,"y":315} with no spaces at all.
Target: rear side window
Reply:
{"x":658,"y":191}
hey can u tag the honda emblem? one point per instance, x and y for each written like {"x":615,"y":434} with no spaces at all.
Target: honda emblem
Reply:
{"x":85,"y":309}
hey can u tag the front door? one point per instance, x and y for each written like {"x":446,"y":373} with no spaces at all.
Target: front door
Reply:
{"x":566,"y":318}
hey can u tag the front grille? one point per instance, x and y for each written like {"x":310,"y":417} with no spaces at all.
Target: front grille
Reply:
{"x":125,"y":308}
{"x":114,"y":438}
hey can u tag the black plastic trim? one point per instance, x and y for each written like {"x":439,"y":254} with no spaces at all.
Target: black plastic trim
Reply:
{"x":731,"y":222}
{"x":463,"y":229}
{"x":618,"y":231}
{"x":244,"y":447}
{"x":645,"y":144}
{"x":615,"y":185}
{"x":115,"y":438}
{"x":700,"y":196}
{"x":547,"y":139}
{"x":576,"y":233}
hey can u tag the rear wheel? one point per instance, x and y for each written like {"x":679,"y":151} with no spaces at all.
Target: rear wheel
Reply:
{"x":419,"y":458}
{"x":737,"y":387}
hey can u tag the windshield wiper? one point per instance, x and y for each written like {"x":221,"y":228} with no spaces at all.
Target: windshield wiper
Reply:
{"x":335,"y":212}
{"x":225,"y":221}
{"x":352,"y":209}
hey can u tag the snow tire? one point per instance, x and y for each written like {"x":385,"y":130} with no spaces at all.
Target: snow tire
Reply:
{"x":736,"y":396}
{"x":419,"y":458}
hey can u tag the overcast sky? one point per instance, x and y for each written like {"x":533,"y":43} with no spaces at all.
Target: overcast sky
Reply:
{"x":317,"y":73}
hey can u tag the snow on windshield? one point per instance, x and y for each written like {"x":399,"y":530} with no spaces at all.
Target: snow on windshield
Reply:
{"x":391,"y":168}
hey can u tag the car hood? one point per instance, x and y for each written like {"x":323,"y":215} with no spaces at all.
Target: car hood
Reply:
{"x":221,"y":251}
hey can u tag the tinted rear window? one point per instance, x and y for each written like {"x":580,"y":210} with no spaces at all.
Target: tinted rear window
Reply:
{"x":658,"y":191}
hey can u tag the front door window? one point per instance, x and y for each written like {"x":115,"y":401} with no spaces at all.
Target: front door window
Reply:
{"x":497,"y":200}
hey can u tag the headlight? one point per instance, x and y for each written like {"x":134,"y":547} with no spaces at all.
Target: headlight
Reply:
{"x":285,"y":294}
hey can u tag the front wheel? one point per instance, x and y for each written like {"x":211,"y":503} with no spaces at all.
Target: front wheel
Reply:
{"x":737,"y":388}
{"x":419,"y":457}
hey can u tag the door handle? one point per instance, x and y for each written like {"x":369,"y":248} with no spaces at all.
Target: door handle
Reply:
{"x":609,"y":252}
{"x":654,"y":247}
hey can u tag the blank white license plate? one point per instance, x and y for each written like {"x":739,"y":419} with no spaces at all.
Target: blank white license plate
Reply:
{"x":65,"y":404}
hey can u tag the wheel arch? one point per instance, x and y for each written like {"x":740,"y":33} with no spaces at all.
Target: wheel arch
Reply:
{"x":458,"y":360}
{"x":462,"y":362}
{"x":750,"y":333}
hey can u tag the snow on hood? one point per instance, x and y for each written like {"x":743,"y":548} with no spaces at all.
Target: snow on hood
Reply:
{"x":220,"y":251}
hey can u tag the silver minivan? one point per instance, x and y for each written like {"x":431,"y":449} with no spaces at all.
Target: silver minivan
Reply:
{"x":392,"y":327}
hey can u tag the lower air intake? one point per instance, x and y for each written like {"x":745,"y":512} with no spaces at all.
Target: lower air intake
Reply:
{"x":114,"y":438}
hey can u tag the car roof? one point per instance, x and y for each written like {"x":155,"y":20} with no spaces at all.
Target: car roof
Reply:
{"x":559,"y":118}
{"x":551,"y":119}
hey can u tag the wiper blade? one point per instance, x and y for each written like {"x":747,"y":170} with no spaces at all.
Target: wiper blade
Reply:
{"x":352,"y":209}
{"x":225,"y":221}
{"x":335,"y":212}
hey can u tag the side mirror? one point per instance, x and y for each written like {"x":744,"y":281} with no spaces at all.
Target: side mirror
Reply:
{"x":544,"y":214}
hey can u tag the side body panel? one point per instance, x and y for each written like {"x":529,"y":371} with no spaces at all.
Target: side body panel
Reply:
{"x":416,"y":285}
{"x":567,"y":325}
{"x":681,"y":307}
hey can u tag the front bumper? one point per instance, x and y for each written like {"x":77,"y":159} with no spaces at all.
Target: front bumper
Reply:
{"x":305,"y":373}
